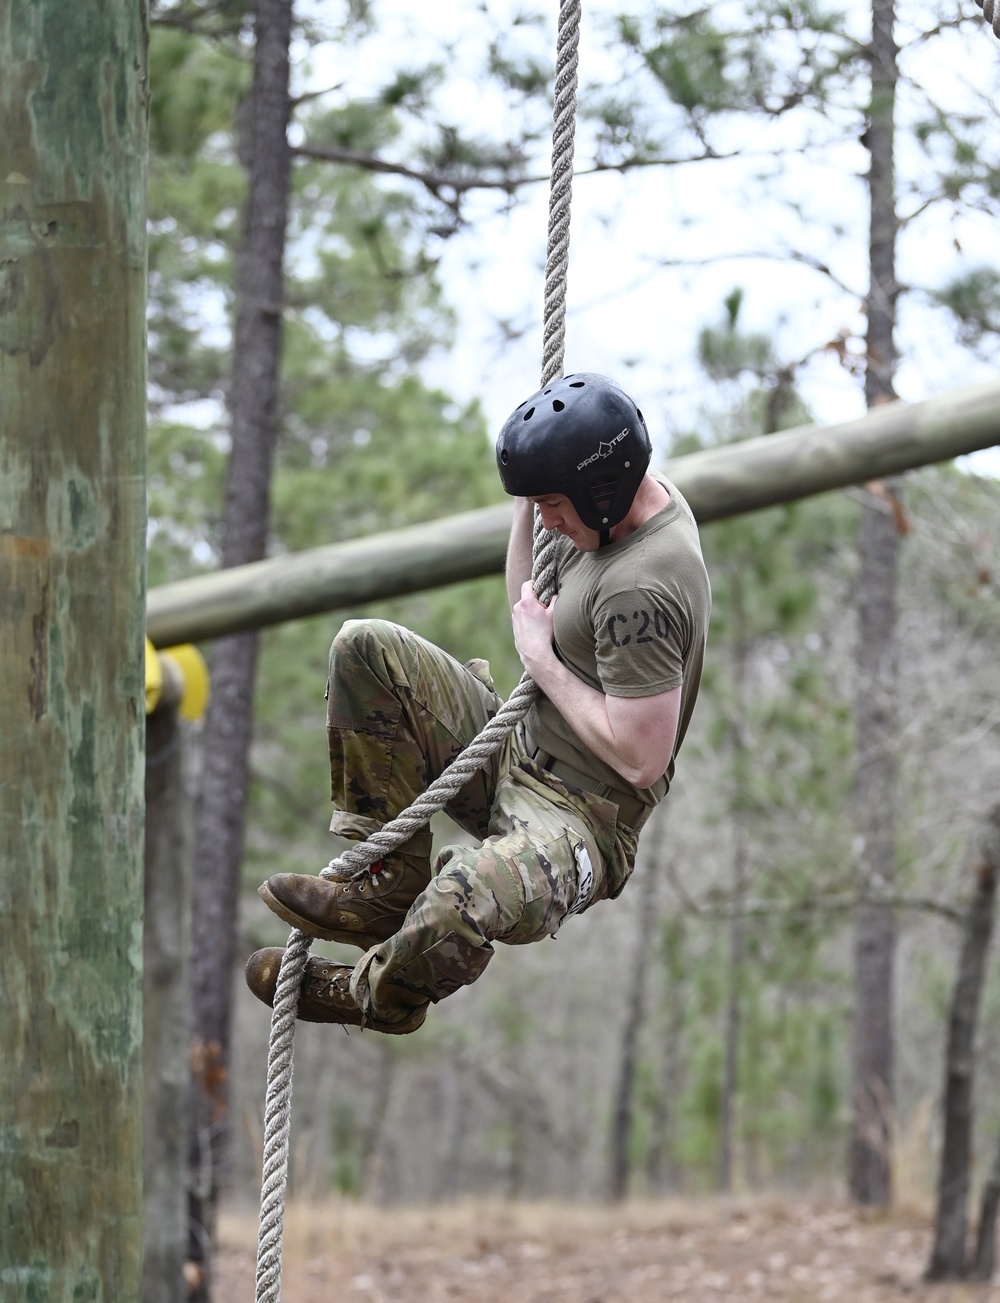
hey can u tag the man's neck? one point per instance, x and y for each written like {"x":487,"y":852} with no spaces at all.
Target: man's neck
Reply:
{"x":651,"y":497}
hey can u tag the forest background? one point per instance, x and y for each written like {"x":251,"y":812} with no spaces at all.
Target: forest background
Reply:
{"x":698,"y":1033}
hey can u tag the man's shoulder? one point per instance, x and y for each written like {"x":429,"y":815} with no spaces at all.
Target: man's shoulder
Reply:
{"x":666,"y":563}
{"x":668,"y":539}
{"x":682,"y":508}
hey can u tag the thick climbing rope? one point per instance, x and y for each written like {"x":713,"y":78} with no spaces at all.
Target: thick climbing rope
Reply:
{"x":360,"y":858}
{"x":991,"y":12}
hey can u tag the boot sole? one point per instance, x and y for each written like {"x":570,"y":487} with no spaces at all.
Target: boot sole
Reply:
{"x":312,"y":929}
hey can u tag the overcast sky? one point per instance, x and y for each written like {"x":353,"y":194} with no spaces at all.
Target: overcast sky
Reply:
{"x":628,"y":315}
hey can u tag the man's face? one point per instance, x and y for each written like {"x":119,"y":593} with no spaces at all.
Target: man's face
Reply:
{"x":558,"y":513}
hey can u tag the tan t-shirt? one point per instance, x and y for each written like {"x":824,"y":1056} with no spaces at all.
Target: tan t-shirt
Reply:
{"x":631,"y":621}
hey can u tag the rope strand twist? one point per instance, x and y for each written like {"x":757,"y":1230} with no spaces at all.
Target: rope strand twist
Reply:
{"x":991,"y":12}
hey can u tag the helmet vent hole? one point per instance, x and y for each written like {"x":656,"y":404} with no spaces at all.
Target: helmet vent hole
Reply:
{"x":577,"y":384}
{"x":640,"y":416}
{"x":528,"y":414}
{"x":504,"y":457}
{"x":604,"y":491}
{"x":557,"y":406}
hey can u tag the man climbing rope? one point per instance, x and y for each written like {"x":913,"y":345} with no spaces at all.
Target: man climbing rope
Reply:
{"x":556,"y":812}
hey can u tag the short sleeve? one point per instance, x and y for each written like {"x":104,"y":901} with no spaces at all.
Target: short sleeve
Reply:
{"x":640,"y":637}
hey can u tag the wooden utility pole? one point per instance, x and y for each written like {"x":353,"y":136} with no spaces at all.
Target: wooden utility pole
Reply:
{"x":73,"y":102}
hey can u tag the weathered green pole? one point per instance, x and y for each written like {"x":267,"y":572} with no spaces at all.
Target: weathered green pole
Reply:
{"x":718,"y":483}
{"x":73,"y":103}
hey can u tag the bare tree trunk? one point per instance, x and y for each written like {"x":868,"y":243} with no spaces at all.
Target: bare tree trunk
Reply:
{"x":870,"y":1159}
{"x":373,"y":1131}
{"x":517,"y":1155}
{"x":737,"y":926}
{"x":253,"y":405}
{"x":165,"y":1011}
{"x":662,"y":1161}
{"x":951,"y":1224}
{"x":984,"y":1262}
{"x":456,"y":1102}
{"x":624,"y":1106}
{"x":734,"y":1009}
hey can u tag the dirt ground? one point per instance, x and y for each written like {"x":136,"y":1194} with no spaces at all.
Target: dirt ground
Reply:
{"x":697,"y":1252}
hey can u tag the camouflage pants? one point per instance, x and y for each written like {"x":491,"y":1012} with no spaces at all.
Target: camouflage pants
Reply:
{"x":399,"y":710}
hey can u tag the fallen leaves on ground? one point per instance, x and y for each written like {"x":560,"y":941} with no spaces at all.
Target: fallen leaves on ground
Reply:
{"x":701,"y":1251}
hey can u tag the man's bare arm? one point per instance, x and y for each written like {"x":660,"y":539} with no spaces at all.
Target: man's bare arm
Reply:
{"x":518,"y":569}
{"x":634,"y":735}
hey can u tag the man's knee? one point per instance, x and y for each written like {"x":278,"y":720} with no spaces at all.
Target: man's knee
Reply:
{"x":364,"y":674}
{"x":357,"y":639}
{"x":481,"y":888}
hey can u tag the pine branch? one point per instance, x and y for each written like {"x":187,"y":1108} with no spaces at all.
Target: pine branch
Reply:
{"x":767,"y":255}
{"x":439,"y":184}
{"x":946,"y":24}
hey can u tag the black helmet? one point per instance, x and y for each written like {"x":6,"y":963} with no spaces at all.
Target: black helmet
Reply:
{"x":581,"y":436}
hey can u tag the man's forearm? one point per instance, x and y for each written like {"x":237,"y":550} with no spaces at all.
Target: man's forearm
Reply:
{"x":634,"y":736}
{"x":582,"y":706}
{"x":518,"y":568}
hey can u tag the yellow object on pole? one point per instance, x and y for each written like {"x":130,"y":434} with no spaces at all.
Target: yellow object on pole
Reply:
{"x":176,"y":676}
{"x":194,"y":673}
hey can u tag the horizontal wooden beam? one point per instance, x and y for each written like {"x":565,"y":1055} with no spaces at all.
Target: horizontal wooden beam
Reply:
{"x":718,"y":483}
{"x":321,"y":579}
{"x":889,"y":440}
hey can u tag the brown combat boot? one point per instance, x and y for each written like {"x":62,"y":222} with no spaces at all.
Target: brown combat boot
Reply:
{"x":357,"y":911}
{"x":325,"y":993}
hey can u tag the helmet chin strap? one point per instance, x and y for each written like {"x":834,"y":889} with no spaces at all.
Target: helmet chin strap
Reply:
{"x":605,"y":538}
